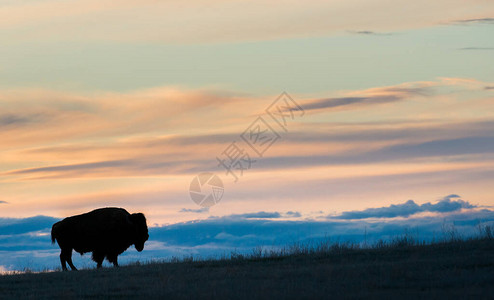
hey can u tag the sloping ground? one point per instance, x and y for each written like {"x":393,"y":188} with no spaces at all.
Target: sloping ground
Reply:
{"x":461,"y":269}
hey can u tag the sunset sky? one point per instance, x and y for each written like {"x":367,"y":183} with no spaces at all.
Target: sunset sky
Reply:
{"x":122,"y":103}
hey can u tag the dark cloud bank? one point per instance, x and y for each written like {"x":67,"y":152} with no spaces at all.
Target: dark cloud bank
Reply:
{"x":409,"y":208}
{"x":25,"y":243}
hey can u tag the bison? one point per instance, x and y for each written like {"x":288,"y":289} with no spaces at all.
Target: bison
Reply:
{"x":106,"y":232}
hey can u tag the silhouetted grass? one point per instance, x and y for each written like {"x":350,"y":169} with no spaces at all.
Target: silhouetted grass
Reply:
{"x":404,"y":266}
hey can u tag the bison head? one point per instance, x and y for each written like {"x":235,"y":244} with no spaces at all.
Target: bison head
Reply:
{"x":139,"y":230}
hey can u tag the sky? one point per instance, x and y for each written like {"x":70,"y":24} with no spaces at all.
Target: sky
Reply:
{"x":378,"y":114}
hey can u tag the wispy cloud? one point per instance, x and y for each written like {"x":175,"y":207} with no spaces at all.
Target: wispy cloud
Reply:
{"x":475,"y":21}
{"x":368,"y":32}
{"x":116,"y":147}
{"x":197,"y":210}
{"x":368,"y":97}
{"x":257,"y":215}
{"x":173,"y":156}
{"x":163,"y":145}
{"x":9,"y":121}
{"x":476,"y":48}
{"x":168,"y":22}
{"x":73,"y":167}
{"x":44,"y":117}
{"x":348,"y":101}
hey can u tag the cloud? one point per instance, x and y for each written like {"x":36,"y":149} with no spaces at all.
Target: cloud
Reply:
{"x":24,"y":246}
{"x":159,"y":164}
{"x":44,"y":116}
{"x":475,"y":21}
{"x":3,"y":202}
{"x":394,"y":210}
{"x":116,"y":166}
{"x":6,"y":120}
{"x":445,"y":205}
{"x":365,"y":32}
{"x":244,"y":234}
{"x":368,"y":32}
{"x":74,"y":167}
{"x":256,"y":215}
{"x":368,"y":97}
{"x":406,"y":144}
{"x":168,"y":22}
{"x":14,"y":120}
{"x":11,"y":226}
{"x":441,"y":147}
{"x":397,"y":152}
{"x":266,"y":215}
{"x":477,"y":48}
{"x":293,"y":214}
{"x":345,"y":101}
{"x":198,"y":210}
{"x":383,"y":144}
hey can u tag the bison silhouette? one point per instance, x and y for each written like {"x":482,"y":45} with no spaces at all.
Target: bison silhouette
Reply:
{"x":106,"y":232}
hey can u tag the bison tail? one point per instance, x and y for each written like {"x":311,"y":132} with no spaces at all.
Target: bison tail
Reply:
{"x":53,"y":238}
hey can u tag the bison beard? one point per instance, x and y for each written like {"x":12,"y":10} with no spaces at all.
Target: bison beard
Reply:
{"x":106,"y":232}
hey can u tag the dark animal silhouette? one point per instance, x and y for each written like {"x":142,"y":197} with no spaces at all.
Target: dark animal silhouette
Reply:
{"x":106,"y":232}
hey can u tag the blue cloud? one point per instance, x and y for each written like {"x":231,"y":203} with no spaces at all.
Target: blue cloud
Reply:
{"x":198,"y":210}
{"x":407,"y":209}
{"x":394,"y":210}
{"x":26,"y":242}
{"x":257,"y":215}
{"x":293,"y":214}
{"x":9,"y":226}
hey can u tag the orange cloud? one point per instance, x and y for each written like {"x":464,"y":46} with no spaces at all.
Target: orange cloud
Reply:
{"x":223,"y":21}
{"x":68,"y":151}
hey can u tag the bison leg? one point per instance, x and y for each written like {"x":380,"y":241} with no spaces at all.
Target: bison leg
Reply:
{"x":113,"y":259}
{"x":98,"y":258}
{"x":62,"y":261}
{"x":66,"y":256}
{"x":69,"y":260}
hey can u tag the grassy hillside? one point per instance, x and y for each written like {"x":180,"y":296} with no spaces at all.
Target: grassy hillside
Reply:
{"x":400,"y":268}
